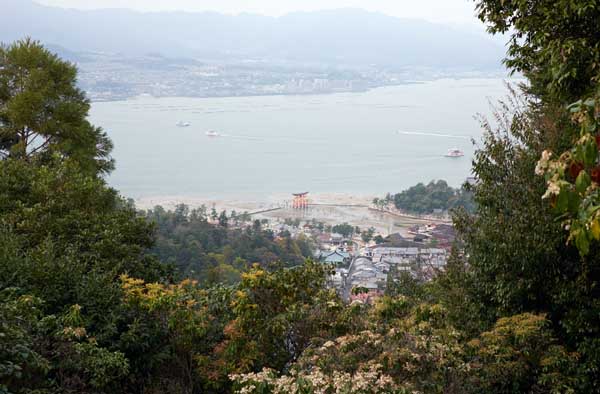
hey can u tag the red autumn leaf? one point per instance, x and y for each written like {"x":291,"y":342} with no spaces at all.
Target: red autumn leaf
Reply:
{"x":574,"y":169}
{"x":595,"y":174}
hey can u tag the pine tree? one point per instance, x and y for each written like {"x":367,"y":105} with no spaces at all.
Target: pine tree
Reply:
{"x":42,"y":112}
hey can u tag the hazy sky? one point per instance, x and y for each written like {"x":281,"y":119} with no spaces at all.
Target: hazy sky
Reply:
{"x":445,"y":11}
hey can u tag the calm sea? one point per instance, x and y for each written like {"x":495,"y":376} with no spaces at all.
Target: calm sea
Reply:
{"x":375,"y":142}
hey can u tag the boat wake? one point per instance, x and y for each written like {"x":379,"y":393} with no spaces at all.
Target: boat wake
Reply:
{"x":465,"y":137}
{"x":241,"y":137}
{"x":278,"y":138}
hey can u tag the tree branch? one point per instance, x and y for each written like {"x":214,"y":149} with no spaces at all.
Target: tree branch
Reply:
{"x":45,"y":144}
{"x":28,"y":143}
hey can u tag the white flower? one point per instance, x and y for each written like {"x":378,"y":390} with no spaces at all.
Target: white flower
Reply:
{"x":542,"y":164}
{"x":328,"y":344}
{"x":553,"y":190}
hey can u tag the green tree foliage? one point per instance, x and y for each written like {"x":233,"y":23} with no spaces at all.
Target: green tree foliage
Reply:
{"x":223,"y":219}
{"x":65,"y":237}
{"x":52,"y":354}
{"x":454,"y":290}
{"x":404,"y":284}
{"x":554,"y":43}
{"x":367,"y":235}
{"x":423,"y":199}
{"x":521,"y":355}
{"x":171,"y":333}
{"x":276,"y":315}
{"x":519,"y":256}
{"x":218,"y":253}
{"x":292,"y":222}
{"x":43,"y":113}
{"x":405,"y":346}
{"x":518,"y":260}
{"x":182,"y":338}
{"x":19,"y":360}
{"x":344,"y":229}
{"x":573,"y":178}
{"x":62,"y":205}
{"x":513,"y":242}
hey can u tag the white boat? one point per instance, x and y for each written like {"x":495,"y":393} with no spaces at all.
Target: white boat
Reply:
{"x":212,"y":133}
{"x":454,"y":152}
{"x":183,"y":124}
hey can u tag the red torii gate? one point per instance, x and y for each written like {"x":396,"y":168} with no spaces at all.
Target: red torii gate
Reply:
{"x":300,"y":200}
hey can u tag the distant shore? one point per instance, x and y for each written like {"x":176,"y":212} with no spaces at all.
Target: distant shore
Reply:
{"x":266,"y":94}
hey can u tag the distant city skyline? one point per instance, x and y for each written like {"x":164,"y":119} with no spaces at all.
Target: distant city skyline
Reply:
{"x":457,"y":12}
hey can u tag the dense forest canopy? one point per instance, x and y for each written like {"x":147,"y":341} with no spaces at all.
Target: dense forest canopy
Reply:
{"x":87,"y":305}
{"x":219,"y":252}
{"x":423,"y":199}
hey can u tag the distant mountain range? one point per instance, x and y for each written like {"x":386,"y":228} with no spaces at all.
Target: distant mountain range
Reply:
{"x":342,"y":37}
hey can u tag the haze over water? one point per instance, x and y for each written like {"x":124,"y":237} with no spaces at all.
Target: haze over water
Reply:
{"x":384,"y":140}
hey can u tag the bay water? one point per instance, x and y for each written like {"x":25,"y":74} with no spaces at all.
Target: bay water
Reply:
{"x":374,"y":142}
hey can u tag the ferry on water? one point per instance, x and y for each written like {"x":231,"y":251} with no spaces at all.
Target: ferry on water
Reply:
{"x":183,"y":124}
{"x":212,"y":133}
{"x":454,"y":152}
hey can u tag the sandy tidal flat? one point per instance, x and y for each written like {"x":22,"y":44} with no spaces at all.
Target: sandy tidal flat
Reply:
{"x":329,"y":208}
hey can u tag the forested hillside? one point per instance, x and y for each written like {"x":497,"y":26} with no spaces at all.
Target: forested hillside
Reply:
{"x":91,"y":302}
{"x":435,"y":196}
{"x":220,"y":251}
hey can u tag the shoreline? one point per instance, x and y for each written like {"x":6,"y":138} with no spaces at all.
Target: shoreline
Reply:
{"x":143,"y":95}
{"x":329,"y":208}
{"x":270,"y":200}
{"x":299,"y":94}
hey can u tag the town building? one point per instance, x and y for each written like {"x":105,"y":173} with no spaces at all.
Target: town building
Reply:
{"x":337,"y":257}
